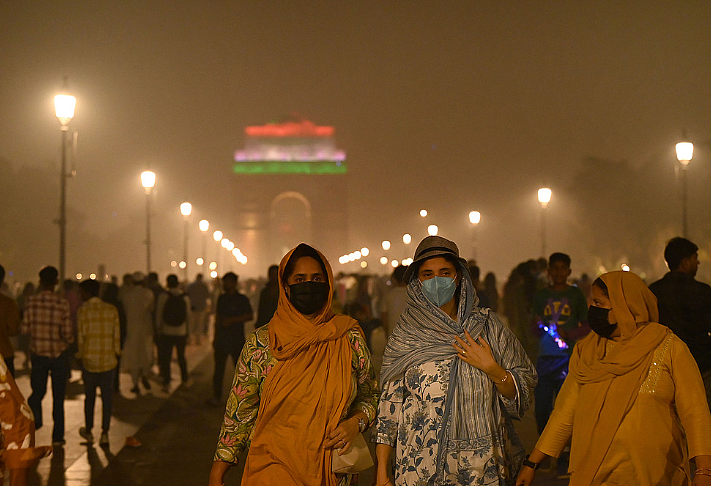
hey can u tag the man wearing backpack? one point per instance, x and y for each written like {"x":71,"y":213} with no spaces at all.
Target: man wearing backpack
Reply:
{"x":172,"y":327}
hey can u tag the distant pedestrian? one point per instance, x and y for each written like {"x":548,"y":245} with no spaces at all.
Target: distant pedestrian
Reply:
{"x":233,"y":310}
{"x":685,"y":303}
{"x":268,"y":297}
{"x":199,"y":295}
{"x":491,"y":291}
{"x":172,"y":321}
{"x":47,"y":320}
{"x":395,"y":299}
{"x":99,"y":342}
{"x":111,"y":296}
{"x":560,"y":318}
{"x":9,"y":326}
{"x":137,"y":355}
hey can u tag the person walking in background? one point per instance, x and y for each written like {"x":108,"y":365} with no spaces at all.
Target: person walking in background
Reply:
{"x":137,"y":355}
{"x":560,"y":318}
{"x":23,"y":340}
{"x":633,"y":403}
{"x":47,"y":320}
{"x":172,"y":318}
{"x":268,"y":297}
{"x":453,"y":377}
{"x":394,"y":301}
{"x":199,"y":296}
{"x":98,"y":342}
{"x":304,"y":386}
{"x":111,"y":296}
{"x":491,"y":291}
{"x":9,"y":326}
{"x":685,"y":304}
{"x":233,"y":310}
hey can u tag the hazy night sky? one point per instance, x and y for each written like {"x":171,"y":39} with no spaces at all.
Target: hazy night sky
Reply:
{"x":451,"y":106}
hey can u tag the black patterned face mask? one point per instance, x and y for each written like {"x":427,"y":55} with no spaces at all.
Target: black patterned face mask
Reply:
{"x":598,"y":321}
{"x":309,"y":297}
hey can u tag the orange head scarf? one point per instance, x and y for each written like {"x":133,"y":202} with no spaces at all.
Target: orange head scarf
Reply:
{"x":305,"y":395}
{"x":610,"y":378}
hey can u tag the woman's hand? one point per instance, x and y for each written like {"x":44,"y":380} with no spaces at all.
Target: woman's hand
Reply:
{"x":342,"y":436}
{"x":217,"y":473}
{"x":475,"y":352}
{"x":525,"y":476}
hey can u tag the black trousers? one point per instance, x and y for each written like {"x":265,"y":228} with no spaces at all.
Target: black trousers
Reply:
{"x":165,"y":353}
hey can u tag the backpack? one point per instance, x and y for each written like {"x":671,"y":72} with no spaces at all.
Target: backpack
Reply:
{"x":175,"y":310}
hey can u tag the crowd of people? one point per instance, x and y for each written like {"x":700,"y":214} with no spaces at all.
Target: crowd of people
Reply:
{"x":421,"y":361}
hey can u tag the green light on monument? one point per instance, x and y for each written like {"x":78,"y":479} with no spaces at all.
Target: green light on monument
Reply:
{"x":274,"y":167}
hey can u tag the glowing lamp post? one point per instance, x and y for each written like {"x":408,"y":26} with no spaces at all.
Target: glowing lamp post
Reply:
{"x":432,"y":230}
{"x":148,"y":181}
{"x":544,"y":197}
{"x":64,"y":110}
{"x":474,"y":219}
{"x":217,"y":236}
{"x":185,"y":209}
{"x":684,"y":154}
{"x":204,"y":225}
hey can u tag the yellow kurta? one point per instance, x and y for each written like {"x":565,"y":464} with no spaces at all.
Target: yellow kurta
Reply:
{"x":650,"y":447}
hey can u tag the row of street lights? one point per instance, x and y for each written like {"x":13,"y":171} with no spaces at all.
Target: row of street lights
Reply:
{"x":148,"y":181}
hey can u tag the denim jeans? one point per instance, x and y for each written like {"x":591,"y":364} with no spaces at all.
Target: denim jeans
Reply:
{"x":104,"y":381}
{"x":165,"y":354}
{"x":42,"y":367}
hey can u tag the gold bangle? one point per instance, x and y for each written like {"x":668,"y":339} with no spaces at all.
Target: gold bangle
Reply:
{"x":704,"y":469}
{"x":702,"y":473}
{"x":503,"y":380}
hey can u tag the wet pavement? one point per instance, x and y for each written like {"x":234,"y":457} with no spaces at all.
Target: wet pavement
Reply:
{"x":177,"y":432}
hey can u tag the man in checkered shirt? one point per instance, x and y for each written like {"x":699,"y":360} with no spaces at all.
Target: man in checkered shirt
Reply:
{"x":48,"y":323}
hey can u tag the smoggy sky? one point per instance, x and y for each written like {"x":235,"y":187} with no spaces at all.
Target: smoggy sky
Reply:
{"x":451,"y":106}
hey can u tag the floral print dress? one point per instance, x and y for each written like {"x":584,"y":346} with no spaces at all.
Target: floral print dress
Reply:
{"x":410,"y":418}
{"x":255,"y":363}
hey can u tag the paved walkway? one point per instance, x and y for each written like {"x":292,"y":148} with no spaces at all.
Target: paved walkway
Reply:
{"x":177,"y":432}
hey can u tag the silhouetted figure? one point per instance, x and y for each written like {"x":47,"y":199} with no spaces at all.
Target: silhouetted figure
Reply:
{"x":98,"y":342}
{"x":199,"y":295}
{"x":9,"y":326}
{"x":268,"y":297}
{"x":172,"y":327}
{"x":685,"y":303}
{"x":47,"y":320}
{"x":233,"y":310}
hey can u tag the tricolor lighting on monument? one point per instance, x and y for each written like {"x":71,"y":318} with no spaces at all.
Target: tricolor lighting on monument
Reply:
{"x":292,"y":147}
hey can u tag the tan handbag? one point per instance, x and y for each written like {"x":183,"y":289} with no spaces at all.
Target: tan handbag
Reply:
{"x":355,"y":460}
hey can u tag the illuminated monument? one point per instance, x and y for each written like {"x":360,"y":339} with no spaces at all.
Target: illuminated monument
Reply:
{"x":291,"y":186}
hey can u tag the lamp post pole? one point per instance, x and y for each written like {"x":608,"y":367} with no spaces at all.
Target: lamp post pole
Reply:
{"x":148,"y":180}
{"x":64,"y":110}
{"x":684,"y":153}
{"x":204,"y":225}
{"x":544,"y":197}
{"x":474,"y":219}
{"x":185,"y":209}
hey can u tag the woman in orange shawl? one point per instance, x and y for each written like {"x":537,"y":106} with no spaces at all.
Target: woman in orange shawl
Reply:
{"x":633,"y":401}
{"x":304,"y":385}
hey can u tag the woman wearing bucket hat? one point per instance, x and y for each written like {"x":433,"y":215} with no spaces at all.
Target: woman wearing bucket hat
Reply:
{"x":633,"y":402}
{"x":304,"y":386}
{"x":453,"y":377}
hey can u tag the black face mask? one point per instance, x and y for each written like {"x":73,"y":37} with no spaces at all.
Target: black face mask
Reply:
{"x":597,"y":319}
{"x":309,"y":297}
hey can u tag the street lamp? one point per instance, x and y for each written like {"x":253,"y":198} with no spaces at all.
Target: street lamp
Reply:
{"x":64,"y":105}
{"x":217,"y":236}
{"x":148,"y":181}
{"x":544,"y":197}
{"x":204,"y":225}
{"x":386,"y":245}
{"x":684,"y":154}
{"x":474,"y":219}
{"x":432,"y":230}
{"x":185,"y":209}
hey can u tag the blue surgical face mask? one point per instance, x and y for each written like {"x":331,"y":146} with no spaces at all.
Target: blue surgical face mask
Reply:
{"x":439,"y":290}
